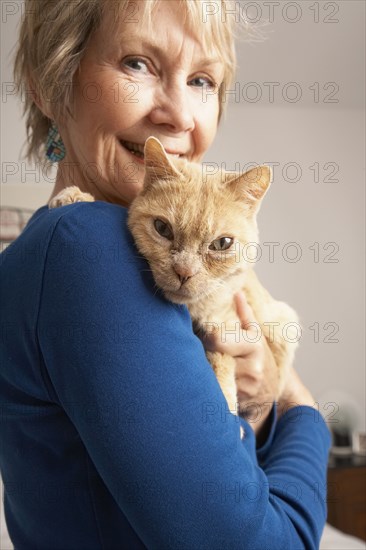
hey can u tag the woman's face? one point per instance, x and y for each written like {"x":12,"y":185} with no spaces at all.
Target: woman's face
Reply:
{"x":133,"y":84}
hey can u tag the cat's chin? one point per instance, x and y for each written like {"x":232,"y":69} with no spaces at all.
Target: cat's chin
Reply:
{"x":179,"y":298}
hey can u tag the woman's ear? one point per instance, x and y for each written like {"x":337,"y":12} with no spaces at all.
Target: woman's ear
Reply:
{"x":43,"y":105}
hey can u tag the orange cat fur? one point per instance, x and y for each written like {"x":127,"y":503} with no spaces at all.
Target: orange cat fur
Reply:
{"x":193,"y":229}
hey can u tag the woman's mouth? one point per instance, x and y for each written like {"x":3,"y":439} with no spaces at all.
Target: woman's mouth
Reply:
{"x":137,"y":150}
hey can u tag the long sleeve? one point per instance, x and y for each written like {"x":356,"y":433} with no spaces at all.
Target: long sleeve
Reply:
{"x":124,"y":367}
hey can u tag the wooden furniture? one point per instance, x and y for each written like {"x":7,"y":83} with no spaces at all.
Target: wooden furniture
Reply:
{"x":347,"y":494}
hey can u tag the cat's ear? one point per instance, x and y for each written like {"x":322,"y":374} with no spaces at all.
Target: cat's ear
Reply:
{"x":252,"y":186}
{"x":157,"y":163}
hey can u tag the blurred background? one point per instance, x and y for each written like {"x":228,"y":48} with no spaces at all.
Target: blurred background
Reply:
{"x":297,"y":103}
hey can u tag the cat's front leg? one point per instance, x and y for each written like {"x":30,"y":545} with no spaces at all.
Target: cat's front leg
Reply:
{"x":70,"y":195}
{"x":224,"y":368}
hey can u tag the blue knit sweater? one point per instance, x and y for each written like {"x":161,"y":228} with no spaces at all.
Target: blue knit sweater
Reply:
{"x":114,"y":431}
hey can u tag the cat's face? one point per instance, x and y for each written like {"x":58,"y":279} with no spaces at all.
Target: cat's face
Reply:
{"x":193,"y":228}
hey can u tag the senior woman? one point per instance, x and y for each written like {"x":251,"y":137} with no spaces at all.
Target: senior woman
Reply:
{"x":115,"y":433}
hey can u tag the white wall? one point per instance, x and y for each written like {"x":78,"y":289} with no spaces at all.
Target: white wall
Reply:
{"x":328,"y":129}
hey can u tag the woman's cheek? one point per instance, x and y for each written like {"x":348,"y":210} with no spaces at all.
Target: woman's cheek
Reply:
{"x":111,"y":98}
{"x":207,"y":126}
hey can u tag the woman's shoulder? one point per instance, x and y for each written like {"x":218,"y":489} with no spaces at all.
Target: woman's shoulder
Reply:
{"x":84,"y":235}
{"x":93,"y":232}
{"x":80,"y":224}
{"x":92,"y":264}
{"x":86,"y":216}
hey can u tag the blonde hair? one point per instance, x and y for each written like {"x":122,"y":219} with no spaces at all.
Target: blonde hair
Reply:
{"x":53,"y":38}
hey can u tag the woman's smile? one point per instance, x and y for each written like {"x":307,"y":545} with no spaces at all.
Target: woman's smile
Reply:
{"x":137,"y":150}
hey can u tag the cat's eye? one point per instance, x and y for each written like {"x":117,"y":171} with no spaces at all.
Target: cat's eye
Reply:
{"x":223,"y":243}
{"x":164,"y":229}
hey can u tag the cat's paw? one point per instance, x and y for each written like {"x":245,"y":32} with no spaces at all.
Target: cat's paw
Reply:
{"x":70,"y":195}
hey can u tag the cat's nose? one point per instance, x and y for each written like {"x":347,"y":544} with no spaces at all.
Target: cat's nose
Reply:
{"x":183,"y":279}
{"x":184,"y":273}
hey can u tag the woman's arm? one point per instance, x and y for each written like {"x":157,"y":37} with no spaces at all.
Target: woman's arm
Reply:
{"x":134,"y":380}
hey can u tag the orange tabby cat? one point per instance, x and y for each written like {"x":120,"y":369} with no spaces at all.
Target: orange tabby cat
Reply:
{"x":194,"y":232}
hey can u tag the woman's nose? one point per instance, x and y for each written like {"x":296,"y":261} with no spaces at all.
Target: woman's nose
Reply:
{"x":173,"y":109}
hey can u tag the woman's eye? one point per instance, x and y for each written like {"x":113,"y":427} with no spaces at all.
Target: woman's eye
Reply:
{"x":202,"y":82}
{"x":164,"y":229}
{"x":136,"y":64}
{"x":221,"y":244}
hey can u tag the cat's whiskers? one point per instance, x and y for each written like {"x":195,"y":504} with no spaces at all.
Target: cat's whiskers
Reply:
{"x":219,"y":283}
{"x":156,"y":290}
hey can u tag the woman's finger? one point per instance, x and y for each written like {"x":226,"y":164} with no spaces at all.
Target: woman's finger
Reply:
{"x":236,"y":343}
{"x":244,"y":311}
{"x":226,"y":339}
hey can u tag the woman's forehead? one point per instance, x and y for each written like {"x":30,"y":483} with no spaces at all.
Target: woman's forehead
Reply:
{"x":149,"y":21}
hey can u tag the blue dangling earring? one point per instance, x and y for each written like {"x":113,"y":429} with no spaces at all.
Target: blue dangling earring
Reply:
{"x":55,"y":147}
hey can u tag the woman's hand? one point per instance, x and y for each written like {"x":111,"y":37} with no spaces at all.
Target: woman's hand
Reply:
{"x":256,"y":370}
{"x":294,"y":394}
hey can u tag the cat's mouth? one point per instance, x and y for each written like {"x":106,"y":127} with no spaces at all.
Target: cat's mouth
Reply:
{"x":137,"y":150}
